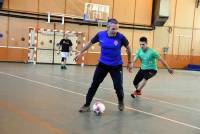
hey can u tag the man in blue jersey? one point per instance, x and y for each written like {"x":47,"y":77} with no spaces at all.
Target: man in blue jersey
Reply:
{"x":148,"y":59}
{"x":110,"y":61}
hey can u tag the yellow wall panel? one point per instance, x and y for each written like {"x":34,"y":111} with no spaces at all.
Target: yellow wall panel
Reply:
{"x":53,"y":6}
{"x":59,"y":26}
{"x":172,"y":10}
{"x":196,"y":43}
{"x":182,"y":41}
{"x":161,"y":38}
{"x":5,"y":4}
{"x":170,"y":39}
{"x":124,"y":11}
{"x":143,"y":12}
{"x":181,"y":13}
{"x":75,"y":7}
{"x":24,"y":5}
{"x":45,"y":25}
{"x":185,"y":13}
{"x":77,"y":28}
{"x":19,"y":28}
{"x":197,"y":18}
{"x":3,"y":30}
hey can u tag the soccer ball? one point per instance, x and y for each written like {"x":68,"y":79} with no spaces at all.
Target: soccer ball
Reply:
{"x":98,"y":108}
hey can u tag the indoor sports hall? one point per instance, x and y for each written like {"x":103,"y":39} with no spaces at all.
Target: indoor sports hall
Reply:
{"x":45,"y":86}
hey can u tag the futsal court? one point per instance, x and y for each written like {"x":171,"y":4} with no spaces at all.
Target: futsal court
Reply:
{"x":50,"y":49}
{"x":42,"y":99}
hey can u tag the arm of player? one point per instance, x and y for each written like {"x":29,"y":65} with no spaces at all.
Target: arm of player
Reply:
{"x":129,"y":66}
{"x":58,"y":50}
{"x":70,"y":51}
{"x":166,"y":65}
{"x":79,"y":54}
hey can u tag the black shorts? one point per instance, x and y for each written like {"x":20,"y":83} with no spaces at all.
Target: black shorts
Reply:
{"x":144,"y":74}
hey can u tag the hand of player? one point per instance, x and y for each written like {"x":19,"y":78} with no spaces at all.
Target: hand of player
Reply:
{"x":170,"y":71}
{"x":130,"y":67}
{"x":77,"y":56}
{"x":58,"y":52}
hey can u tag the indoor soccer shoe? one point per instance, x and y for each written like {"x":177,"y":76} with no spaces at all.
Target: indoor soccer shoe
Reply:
{"x":64,"y":67}
{"x":121,"y":106}
{"x":84,"y":109}
{"x":136,"y":93}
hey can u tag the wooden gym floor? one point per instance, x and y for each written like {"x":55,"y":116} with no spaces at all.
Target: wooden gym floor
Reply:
{"x":43,"y":99}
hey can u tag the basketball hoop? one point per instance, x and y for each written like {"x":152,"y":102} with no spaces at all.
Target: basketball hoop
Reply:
{"x":100,"y":23}
{"x":96,"y":13}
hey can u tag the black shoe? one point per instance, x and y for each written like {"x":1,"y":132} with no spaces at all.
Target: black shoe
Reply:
{"x":61,"y":67}
{"x":121,"y":106}
{"x":84,"y":109}
{"x":64,"y":67}
{"x":133,"y":95}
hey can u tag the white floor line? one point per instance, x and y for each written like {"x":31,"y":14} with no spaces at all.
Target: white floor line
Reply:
{"x":109,"y":102}
{"x":173,"y":104}
{"x":128,"y":93}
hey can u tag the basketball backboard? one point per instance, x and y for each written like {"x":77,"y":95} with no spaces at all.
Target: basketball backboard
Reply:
{"x":96,"y":13}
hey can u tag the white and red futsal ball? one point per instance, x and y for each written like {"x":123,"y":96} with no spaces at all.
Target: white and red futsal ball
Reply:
{"x":98,"y":108}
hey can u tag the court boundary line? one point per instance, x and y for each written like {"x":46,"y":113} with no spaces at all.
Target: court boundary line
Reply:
{"x":108,"y":102}
{"x":128,"y":93}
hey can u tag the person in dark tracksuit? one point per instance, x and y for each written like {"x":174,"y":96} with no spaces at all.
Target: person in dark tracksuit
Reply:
{"x":110,"y":61}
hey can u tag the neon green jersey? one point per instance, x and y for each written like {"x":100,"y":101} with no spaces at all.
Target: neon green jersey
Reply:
{"x":148,"y":58}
